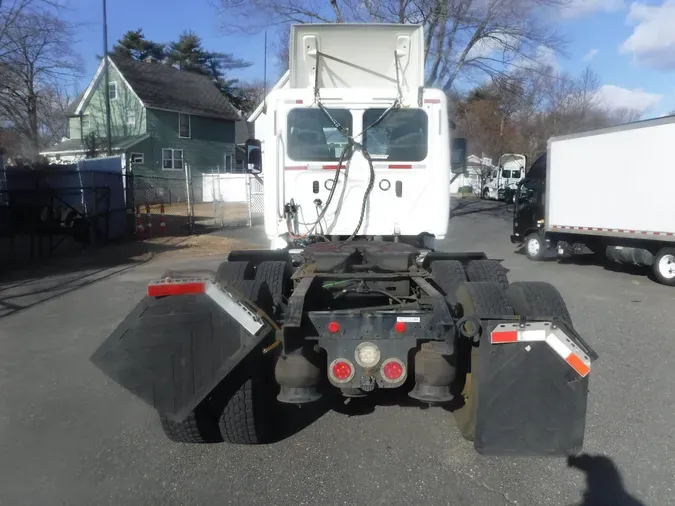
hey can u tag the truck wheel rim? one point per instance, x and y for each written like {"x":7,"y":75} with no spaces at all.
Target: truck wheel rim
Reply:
{"x":533,"y":247}
{"x":667,"y":266}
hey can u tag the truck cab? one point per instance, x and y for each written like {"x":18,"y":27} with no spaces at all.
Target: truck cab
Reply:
{"x":529,"y":209}
{"x":502,"y":182}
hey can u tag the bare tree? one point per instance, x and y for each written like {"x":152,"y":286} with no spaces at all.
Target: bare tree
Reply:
{"x":37,"y":60}
{"x":462,"y":36}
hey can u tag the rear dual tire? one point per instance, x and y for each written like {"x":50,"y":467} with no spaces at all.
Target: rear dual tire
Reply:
{"x":243,"y":419}
{"x":532,"y":299}
{"x":243,"y":416}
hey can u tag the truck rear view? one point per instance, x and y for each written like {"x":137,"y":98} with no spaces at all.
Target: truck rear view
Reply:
{"x":353,"y":298}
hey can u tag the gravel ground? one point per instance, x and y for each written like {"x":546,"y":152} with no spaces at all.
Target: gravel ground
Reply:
{"x":69,"y":436}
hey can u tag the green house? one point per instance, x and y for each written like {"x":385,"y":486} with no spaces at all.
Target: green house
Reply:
{"x":161,"y":118}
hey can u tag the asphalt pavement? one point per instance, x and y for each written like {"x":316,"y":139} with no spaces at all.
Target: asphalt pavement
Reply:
{"x":69,"y":436}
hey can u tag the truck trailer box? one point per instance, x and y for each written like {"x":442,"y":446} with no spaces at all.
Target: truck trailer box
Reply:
{"x":613,"y":181}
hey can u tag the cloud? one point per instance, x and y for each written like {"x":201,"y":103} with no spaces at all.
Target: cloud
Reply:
{"x":591,"y":54}
{"x":580,"y":8}
{"x":651,"y":43}
{"x":615,"y":97}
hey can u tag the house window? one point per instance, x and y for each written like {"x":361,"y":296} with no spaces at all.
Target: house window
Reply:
{"x":137,"y":158}
{"x":184,"y":126}
{"x":228,"y":163}
{"x":112,"y":90}
{"x":131,"y":117}
{"x":172,"y":159}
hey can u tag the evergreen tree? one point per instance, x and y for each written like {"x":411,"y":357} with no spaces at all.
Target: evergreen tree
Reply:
{"x":189,"y":54}
{"x":134,"y":45}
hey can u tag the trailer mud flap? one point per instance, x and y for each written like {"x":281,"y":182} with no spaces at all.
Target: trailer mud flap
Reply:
{"x":172,"y":351}
{"x":532,"y":391}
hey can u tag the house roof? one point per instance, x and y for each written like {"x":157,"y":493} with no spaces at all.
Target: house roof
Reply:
{"x":76,"y":145}
{"x":161,"y":86}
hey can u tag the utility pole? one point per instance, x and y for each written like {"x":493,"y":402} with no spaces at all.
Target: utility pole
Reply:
{"x":107,"y":78}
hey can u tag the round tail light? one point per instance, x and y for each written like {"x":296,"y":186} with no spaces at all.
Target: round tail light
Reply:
{"x":392,"y":370}
{"x":341,"y":370}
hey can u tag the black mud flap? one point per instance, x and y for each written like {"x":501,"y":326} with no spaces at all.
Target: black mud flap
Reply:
{"x":532,"y":401}
{"x":171,"y":352}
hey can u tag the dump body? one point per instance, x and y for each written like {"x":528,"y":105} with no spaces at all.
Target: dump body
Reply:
{"x":613,"y":182}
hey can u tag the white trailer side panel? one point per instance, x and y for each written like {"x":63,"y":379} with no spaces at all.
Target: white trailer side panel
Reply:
{"x":616,"y":181}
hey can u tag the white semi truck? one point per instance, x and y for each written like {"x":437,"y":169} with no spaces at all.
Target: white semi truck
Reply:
{"x":502,"y":182}
{"x":353,"y":297}
{"x":582,"y":197}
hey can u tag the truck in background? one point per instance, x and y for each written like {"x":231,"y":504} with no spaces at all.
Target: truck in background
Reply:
{"x":503,"y":181}
{"x":580,"y":197}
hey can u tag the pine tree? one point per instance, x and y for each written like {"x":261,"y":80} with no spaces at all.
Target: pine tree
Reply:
{"x":134,"y":45}
{"x":189,"y":54}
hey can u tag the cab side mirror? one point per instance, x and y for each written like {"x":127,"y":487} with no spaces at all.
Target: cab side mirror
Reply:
{"x":458,"y":155}
{"x":254,"y":156}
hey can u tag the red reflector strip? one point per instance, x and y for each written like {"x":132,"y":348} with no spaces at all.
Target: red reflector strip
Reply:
{"x":432,"y":100}
{"x":578,"y":365}
{"x":396,"y":166}
{"x":293,"y":101}
{"x":504,"y":336}
{"x":582,"y":367}
{"x":331,"y":167}
{"x":166,"y":289}
{"x":296,"y":167}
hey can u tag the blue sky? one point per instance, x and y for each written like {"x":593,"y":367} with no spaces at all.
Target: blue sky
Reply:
{"x":627,"y":43}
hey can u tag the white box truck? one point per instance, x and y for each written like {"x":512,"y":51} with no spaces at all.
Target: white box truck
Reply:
{"x":607,"y":192}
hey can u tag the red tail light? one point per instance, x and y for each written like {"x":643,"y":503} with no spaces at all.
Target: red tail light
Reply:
{"x":392,"y":370}
{"x":163,"y":289}
{"x":400,"y":327}
{"x":333,"y":327}
{"x":341,"y":370}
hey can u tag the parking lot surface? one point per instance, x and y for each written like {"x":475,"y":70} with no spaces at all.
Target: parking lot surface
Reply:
{"x":70,"y":436}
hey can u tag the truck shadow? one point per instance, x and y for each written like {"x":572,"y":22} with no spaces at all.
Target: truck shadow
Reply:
{"x":604,"y":484}
{"x":486,"y":207}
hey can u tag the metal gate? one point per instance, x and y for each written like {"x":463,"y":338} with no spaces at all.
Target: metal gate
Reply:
{"x":255,"y":197}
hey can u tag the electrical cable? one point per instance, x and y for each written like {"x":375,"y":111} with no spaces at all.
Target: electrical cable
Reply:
{"x":348,"y":149}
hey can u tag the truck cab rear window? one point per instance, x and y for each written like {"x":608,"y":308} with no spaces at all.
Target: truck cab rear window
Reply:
{"x":312,"y":137}
{"x":401,"y":136}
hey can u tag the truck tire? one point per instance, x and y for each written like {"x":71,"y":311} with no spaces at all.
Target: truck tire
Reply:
{"x":664,"y":266}
{"x":246,"y":419}
{"x":537,"y":299}
{"x":277,"y":275}
{"x":489,"y":271}
{"x":239,"y":417}
{"x":448,"y":275}
{"x":476,"y":298}
{"x":486,"y":194}
{"x":234,"y":271}
{"x":535,"y":248}
{"x":199,"y":427}
{"x":245,"y":413}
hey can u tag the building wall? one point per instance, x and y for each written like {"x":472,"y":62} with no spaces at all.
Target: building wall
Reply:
{"x":125,"y":103}
{"x":205,"y":150}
